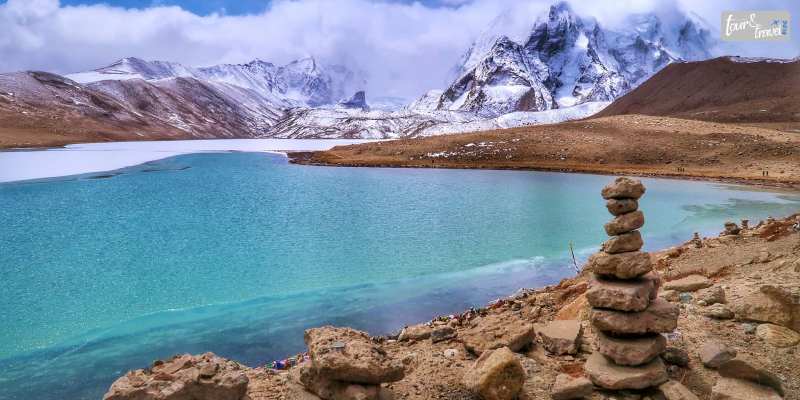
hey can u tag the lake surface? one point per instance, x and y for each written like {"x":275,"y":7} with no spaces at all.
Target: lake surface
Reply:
{"x":237,"y":253}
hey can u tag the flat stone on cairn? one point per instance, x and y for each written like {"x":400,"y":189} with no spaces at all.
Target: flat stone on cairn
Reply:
{"x":660,"y":316}
{"x":630,"y":351}
{"x":625,"y":295}
{"x":627,"y":315}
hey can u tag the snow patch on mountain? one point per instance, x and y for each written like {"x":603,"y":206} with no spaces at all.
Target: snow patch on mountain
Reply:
{"x":427,"y":102}
{"x":134,"y":68}
{"x":518,"y":118}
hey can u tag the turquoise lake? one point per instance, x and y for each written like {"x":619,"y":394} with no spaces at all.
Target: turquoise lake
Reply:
{"x":237,"y":253}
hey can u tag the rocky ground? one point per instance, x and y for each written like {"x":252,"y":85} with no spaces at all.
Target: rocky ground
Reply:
{"x":737,"y":294}
{"x":625,"y":144}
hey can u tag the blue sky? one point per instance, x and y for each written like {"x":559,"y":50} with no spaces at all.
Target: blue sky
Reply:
{"x":199,"y":7}
{"x":229,"y":7}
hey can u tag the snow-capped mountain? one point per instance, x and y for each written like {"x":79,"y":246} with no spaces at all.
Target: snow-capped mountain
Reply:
{"x":568,"y":60}
{"x":134,"y":68}
{"x":564,"y":67}
{"x":300,"y":83}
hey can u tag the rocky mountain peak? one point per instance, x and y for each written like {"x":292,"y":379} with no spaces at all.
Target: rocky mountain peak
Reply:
{"x":569,"y":60}
{"x":306,"y":65}
{"x":357,"y":100}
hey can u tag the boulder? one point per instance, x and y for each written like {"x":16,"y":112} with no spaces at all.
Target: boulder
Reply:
{"x":737,"y":389}
{"x":345,"y":354}
{"x":496,"y":375}
{"x":560,"y":337}
{"x":630,"y":241}
{"x":183,"y":377}
{"x":625,"y":223}
{"x":623,"y":295}
{"x":674,"y":390}
{"x":711,"y":295}
{"x":777,"y":335}
{"x":328,"y":389}
{"x":689,"y":283}
{"x":568,"y":388}
{"x":621,"y":206}
{"x":743,"y":367}
{"x":415,"y":332}
{"x":731,"y":228}
{"x":713,"y":354}
{"x":717,"y":311}
{"x":604,"y":373}
{"x":623,"y":188}
{"x":495,"y":331}
{"x":660,"y":317}
{"x":630,"y":350}
{"x":623,"y":265}
{"x":442,"y":333}
{"x":771,"y":304}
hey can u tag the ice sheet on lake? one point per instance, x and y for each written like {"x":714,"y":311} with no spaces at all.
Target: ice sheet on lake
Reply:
{"x":96,"y":157}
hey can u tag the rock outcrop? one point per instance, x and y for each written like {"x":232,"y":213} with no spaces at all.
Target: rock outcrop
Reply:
{"x":746,"y":368}
{"x":568,"y":388}
{"x":627,"y":316}
{"x":673,"y":390}
{"x":493,"y":332}
{"x":184,"y":377}
{"x":560,"y":337}
{"x":690,"y":283}
{"x":345,"y":364}
{"x":713,"y":354}
{"x":496,"y":375}
{"x":777,"y":335}
{"x":737,"y":389}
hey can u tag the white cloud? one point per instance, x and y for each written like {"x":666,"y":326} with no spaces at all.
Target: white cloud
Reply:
{"x":404,"y":48}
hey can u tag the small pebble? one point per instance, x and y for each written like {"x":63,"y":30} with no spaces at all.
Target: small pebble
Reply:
{"x":685,"y":297}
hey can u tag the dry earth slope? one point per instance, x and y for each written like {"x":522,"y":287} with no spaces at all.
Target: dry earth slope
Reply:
{"x":725,"y":89}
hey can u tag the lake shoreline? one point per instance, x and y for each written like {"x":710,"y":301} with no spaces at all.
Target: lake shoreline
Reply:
{"x":435,"y":368}
{"x":638,"y":145}
{"x":304,"y":158}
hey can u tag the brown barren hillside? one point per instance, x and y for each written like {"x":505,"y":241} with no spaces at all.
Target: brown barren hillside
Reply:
{"x":725,"y":89}
{"x":625,"y":144}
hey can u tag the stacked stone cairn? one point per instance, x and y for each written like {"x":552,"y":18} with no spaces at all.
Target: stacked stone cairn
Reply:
{"x":627,"y":316}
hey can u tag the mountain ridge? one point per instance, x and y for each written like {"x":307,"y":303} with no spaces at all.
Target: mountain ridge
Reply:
{"x":567,"y":60}
{"x":566,"y":67}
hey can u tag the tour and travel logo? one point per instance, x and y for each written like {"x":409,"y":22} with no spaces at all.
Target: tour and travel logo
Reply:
{"x":755,"y":25}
